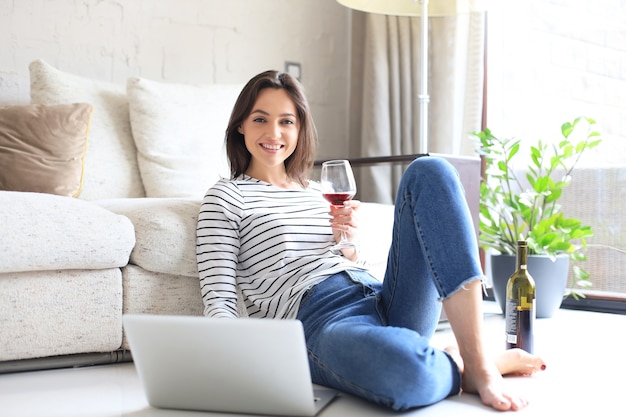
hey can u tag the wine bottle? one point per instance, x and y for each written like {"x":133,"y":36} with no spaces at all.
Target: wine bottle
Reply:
{"x":520,"y":304}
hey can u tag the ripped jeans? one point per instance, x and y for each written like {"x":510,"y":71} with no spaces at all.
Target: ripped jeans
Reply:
{"x":372,"y":339}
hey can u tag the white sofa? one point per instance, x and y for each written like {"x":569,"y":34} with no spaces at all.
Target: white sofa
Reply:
{"x":70,"y":267}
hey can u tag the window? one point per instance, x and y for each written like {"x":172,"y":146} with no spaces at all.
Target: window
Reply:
{"x":550,"y":61}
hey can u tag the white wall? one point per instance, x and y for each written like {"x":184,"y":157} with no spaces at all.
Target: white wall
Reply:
{"x":185,"y":41}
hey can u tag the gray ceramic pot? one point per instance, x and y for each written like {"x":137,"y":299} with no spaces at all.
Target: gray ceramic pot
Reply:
{"x":550,"y":280}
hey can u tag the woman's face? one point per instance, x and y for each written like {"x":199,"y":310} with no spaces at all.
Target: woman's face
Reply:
{"x":271,"y":130}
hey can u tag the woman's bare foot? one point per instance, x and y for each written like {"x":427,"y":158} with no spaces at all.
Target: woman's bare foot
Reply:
{"x":480,"y":374}
{"x":486,"y":379}
{"x":518,"y":362}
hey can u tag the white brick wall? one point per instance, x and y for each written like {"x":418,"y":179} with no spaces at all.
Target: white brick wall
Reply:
{"x":184,"y":41}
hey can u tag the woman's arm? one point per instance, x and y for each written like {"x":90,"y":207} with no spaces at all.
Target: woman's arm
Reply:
{"x":217,"y":249}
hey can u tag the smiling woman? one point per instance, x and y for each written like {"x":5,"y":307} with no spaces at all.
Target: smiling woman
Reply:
{"x":266,"y":249}
{"x":271,"y":134}
{"x":270,"y":118}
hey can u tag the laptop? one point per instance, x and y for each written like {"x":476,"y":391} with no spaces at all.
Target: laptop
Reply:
{"x":245,"y":365}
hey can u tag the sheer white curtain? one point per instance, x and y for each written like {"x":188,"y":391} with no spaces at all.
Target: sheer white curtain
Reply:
{"x":386,"y":62}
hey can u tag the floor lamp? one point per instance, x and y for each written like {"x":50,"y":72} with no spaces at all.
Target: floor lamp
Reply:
{"x":424,"y":9}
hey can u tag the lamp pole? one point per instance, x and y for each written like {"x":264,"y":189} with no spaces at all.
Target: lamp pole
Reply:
{"x":410,"y":8}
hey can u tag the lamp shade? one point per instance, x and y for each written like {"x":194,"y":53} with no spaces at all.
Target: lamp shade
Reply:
{"x":412,"y":7}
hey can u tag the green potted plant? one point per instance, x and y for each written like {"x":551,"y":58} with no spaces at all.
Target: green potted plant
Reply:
{"x":521,"y":202}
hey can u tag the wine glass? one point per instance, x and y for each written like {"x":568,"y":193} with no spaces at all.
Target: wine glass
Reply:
{"x":338,"y":185}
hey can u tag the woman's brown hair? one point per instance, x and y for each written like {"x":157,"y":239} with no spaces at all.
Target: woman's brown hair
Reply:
{"x":300,"y":162}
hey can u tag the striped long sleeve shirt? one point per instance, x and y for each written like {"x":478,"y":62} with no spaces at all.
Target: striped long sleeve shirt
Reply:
{"x":271,"y":242}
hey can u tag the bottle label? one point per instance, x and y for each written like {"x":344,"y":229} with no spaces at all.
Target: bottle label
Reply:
{"x":511,"y":339}
{"x":519,"y":327}
{"x":511,"y":321}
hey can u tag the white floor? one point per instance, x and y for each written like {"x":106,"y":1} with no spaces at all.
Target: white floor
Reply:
{"x":585,"y":374}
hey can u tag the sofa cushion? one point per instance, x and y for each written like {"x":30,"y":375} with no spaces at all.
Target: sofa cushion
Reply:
{"x":376,"y":226}
{"x":42,"y":147}
{"x":165,"y":230}
{"x":179,"y":131}
{"x":43,"y":232}
{"x":111,"y":161}
{"x":49,"y":313}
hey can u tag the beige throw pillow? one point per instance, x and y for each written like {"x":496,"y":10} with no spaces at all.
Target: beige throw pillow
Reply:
{"x":111,"y":162}
{"x":179,"y":133}
{"x":42,"y":148}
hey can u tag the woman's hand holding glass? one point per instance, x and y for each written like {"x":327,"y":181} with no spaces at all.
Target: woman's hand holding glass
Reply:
{"x":345,"y":224}
{"x":338,"y":187}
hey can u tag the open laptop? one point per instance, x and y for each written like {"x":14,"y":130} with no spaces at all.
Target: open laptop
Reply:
{"x":246,"y":365}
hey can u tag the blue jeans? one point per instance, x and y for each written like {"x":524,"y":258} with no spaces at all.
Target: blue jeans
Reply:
{"x":372,"y":339}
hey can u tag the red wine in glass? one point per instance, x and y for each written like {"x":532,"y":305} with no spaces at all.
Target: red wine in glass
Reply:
{"x":337,"y":199}
{"x":338,"y":185}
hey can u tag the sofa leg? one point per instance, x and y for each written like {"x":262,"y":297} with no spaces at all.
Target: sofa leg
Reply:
{"x":65,"y":361}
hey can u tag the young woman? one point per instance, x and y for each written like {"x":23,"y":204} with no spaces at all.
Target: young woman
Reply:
{"x":267,"y":232}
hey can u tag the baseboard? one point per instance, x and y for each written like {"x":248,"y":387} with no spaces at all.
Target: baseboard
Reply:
{"x":65,"y":361}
